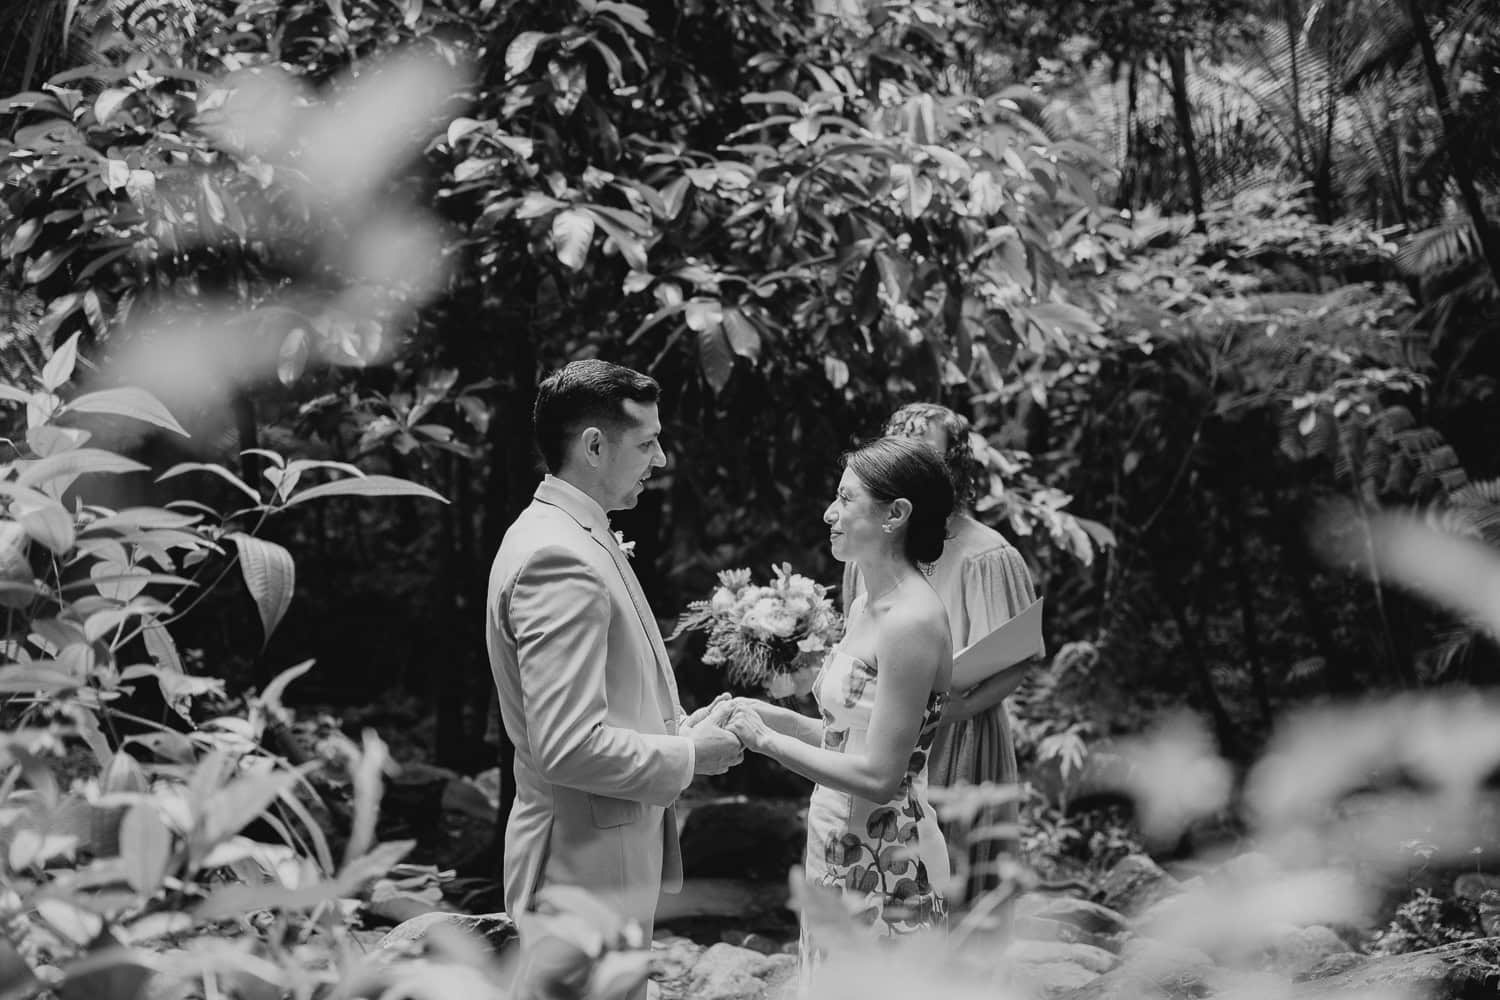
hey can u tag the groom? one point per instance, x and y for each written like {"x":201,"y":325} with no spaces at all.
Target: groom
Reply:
{"x":587,"y":694}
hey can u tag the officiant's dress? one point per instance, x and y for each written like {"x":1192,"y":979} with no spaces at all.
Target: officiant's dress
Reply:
{"x":984,"y":583}
{"x":887,"y":859}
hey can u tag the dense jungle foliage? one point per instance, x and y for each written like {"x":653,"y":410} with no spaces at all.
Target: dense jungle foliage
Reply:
{"x":1200,"y":274}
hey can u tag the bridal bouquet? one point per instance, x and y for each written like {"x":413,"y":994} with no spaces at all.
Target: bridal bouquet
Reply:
{"x":773,"y":636}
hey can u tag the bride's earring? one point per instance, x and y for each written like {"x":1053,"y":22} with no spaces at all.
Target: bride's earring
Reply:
{"x":886,"y":529}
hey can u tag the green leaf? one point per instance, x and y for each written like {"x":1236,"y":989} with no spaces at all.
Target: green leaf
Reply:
{"x":744,"y":338}
{"x":143,"y":518}
{"x":162,"y":647}
{"x":369,"y":784}
{"x":1061,"y":318}
{"x":368,"y":486}
{"x":59,"y":367}
{"x":127,"y":401}
{"x":715,"y":356}
{"x":460,"y":127}
{"x":271,"y":696}
{"x":118,"y":582}
{"x":43,"y":518}
{"x":72,"y":464}
{"x":145,"y":847}
{"x":631,"y":248}
{"x":45,"y":439}
{"x":535,"y":205}
{"x":572,"y":232}
{"x":109,"y":102}
{"x":627,"y":13}
{"x":270,"y":574}
{"x":521,"y":50}
{"x":14,"y":395}
{"x":215,"y":469}
{"x":291,"y":359}
{"x":237,"y":804}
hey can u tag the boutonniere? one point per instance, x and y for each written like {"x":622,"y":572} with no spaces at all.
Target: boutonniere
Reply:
{"x":626,"y":547}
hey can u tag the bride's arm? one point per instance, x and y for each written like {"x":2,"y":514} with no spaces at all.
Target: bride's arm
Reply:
{"x":784,"y":720}
{"x":910,"y":648}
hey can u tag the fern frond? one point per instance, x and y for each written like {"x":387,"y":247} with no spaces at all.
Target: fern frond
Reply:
{"x":1438,"y":249}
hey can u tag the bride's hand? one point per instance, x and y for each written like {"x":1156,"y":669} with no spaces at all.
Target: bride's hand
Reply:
{"x":747,"y":724}
{"x":753,"y":705}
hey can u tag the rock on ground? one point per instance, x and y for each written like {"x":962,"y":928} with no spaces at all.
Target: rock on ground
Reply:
{"x":1297,"y":951}
{"x":1068,"y":919}
{"x":1135,"y":883}
{"x":1466,"y":970}
{"x":719,"y":972}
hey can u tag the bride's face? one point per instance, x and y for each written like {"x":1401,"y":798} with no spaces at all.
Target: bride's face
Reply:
{"x":855,"y":520}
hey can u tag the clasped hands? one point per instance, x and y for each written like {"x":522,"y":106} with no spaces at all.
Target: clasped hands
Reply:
{"x":723,"y":730}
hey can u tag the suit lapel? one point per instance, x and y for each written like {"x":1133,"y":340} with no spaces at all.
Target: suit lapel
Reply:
{"x":648,"y":620}
{"x":592,"y":519}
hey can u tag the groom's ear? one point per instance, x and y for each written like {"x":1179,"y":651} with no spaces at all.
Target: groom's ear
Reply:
{"x":592,"y":439}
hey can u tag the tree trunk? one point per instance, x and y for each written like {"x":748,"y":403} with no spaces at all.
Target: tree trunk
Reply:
{"x":248,"y":433}
{"x":1463,"y":173}
{"x":1182,"y":106}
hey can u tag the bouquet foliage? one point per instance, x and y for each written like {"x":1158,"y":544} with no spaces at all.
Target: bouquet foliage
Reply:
{"x":772,"y":636}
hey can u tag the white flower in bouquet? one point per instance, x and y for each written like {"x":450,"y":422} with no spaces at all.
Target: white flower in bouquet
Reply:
{"x":770,"y":618}
{"x":722,"y":601}
{"x":772,"y":636}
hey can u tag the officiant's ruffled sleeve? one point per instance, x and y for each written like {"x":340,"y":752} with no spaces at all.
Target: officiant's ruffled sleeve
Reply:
{"x":997,"y":586}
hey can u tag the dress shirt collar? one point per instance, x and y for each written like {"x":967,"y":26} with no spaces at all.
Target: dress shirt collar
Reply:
{"x":577,"y":504}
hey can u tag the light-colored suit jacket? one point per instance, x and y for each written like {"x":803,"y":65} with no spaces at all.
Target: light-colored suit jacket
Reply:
{"x":588,"y":698}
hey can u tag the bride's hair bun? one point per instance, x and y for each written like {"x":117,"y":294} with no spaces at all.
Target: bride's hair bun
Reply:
{"x":895,"y":468}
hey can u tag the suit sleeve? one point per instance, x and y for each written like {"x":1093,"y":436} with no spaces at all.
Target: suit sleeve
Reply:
{"x":559,"y":612}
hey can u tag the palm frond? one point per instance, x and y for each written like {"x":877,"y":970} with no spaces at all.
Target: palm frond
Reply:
{"x":1438,"y":249}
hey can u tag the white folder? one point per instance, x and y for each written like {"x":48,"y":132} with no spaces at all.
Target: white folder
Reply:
{"x":1017,"y":640}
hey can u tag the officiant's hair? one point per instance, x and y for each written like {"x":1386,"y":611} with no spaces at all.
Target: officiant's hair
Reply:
{"x":892,"y":468}
{"x":970,"y":478}
{"x":581,"y":394}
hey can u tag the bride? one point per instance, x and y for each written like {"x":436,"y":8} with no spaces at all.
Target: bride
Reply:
{"x":871,"y":835}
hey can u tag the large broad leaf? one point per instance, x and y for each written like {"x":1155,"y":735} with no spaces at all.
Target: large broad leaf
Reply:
{"x":1063,"y":319}
{"x":715,"y":356}
{"x":162,"y":647}
{"x":233,"y":807}
{"x":127,"y":401}
{"x":744,"y":338}
{"x":71,"y":464}
{"x":521,"y":50}
{"x":271,"y":576}
{"x":572,"y":232}
{"x":631,"y":248}
{"x":59,"y":367}
{"x":215,"y":469}
{"x":44,"y":519}
{"x":366,"y":486}
{"x":145,"y":848}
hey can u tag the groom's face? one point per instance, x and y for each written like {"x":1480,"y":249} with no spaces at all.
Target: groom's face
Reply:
{"x":628,"y":455}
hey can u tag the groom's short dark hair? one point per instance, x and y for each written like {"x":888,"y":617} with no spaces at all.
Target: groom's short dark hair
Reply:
{"x":581,"y":394}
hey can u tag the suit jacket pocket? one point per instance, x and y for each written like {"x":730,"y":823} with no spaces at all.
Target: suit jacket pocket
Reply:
{"x":610,"y":812}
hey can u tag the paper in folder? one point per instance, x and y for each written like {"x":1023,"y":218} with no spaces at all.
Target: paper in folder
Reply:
{"x":1016,"y":640}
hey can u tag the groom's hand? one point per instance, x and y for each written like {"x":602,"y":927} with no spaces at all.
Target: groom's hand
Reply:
{"x":715,"y":712}
{"x":716,"y":750}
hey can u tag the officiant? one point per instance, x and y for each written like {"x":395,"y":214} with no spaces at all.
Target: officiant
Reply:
{"x":983,"y":582}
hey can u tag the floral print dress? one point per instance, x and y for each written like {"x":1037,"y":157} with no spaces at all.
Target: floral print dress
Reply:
{"x":884,"y":858}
